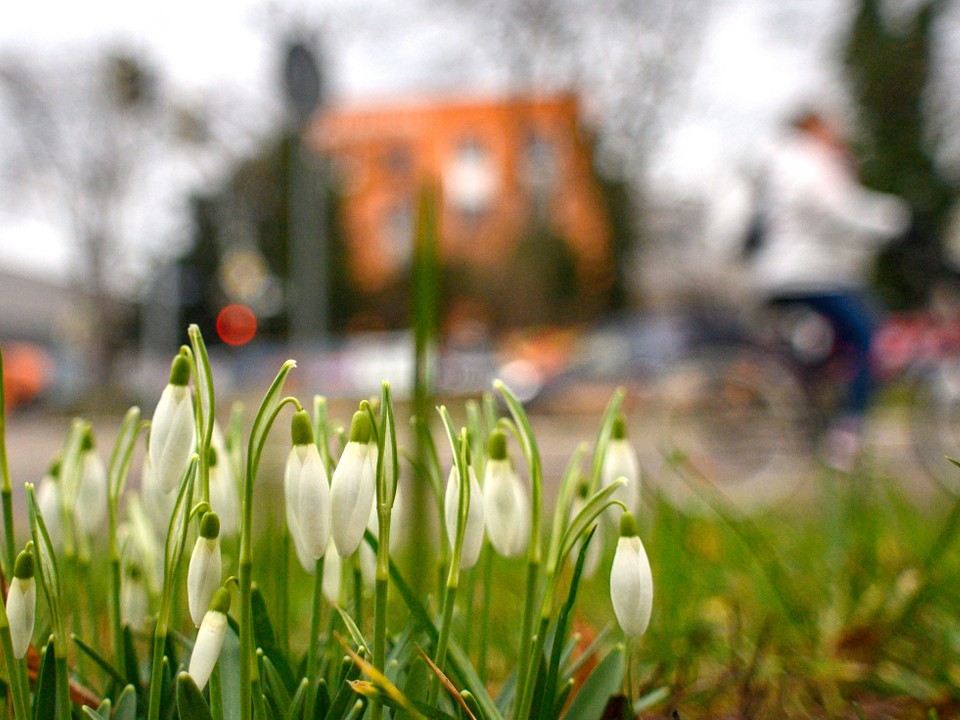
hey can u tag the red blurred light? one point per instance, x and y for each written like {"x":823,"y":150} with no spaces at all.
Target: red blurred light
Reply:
{"x":236,"y":324}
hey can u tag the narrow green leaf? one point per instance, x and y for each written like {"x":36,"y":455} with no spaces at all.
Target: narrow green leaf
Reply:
{"x":104,"y":707}
{"x":605,"y":681}
{"x":273,"y":687}
{"x":126,"y":704}
{"x":132,"y":669}
{"x":298,"y":703}
{"x":45,"y":697}
{"x":95,"y":715}
{"x":343,"y":701}
{"x":190,"y":702}
{"x":266,"y":639}
{"x":104,"y":665}
{"x":352,"y":628}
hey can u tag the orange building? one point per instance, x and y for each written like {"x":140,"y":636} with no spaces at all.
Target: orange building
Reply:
{"x":507,"y":168}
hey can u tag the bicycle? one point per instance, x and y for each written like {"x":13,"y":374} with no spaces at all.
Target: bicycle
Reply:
{"x":744,"y":413}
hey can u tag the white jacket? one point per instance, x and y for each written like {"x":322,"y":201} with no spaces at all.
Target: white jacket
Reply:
{"x":823,"y":229}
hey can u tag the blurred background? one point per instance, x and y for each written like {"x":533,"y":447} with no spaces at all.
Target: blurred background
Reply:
{"x":254,"y":167}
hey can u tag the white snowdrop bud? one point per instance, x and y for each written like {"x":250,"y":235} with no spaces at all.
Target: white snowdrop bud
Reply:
{"x":620,"y":460}
{"x":306,"y":476}
{"x":172,"y":431}
{"x":506,"y":506}
{"x":22,"y":604}
{"x":91,"y":505}
{"x":473,"y":533}
{"x":224,"y":494}
{"x":353,"y":488}
{"x":631,"y":582}
{"x":203,"y":575}
{"x":213,"y":628}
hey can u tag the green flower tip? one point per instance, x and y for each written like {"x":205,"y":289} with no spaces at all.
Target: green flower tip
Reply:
{"x":360,"y":429}
{"x":583,"y":491}
{"x":497,"y":445}
{"x":54,"y":470}
{"x":180,"y":371}
{"x":87,"y":443}
{"x":210,"y":525}
{"x":619,"y":429}
{"x":301,"y":428}
{"x":212,"y":456}
{"x":628,"y":526}
{"x":23,"y":567}
{"x":221,"y":601}
{"x":134,"y":572}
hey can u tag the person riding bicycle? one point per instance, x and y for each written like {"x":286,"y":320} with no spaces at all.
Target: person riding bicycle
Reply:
{"x":821,"y":232}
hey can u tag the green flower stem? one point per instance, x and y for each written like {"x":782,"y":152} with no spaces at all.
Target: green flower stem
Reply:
{"x":313,"y":648}
{"x":266,"y":415}
{"x":6,"y":491}
{"x":156,"y":665}
{"x":532,"y":455}
{"x":63,"y":679}
{"x":283,"y":588}
{"x":357,"y":574}
{"x":470,"y":594}
{"x":459,"y":448}
{"x":216,"y":694}
{"x":487,"y":583}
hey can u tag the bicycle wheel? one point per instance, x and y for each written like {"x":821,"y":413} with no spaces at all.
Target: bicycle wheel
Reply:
{"x":736,"y":429}
{"x":935,"y":423}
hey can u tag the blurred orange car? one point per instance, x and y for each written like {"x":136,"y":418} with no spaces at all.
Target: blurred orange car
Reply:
{"x":27,"y":372}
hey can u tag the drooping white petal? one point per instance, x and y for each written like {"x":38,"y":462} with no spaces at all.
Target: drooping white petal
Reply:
{"x":172,"y":435}
{"x":506,"y":508}
{"x":206,"y":650}
{"x":351,"y":496}
{"x":21,"y":612}
{"x":473,"y":532}
{"x":157,"y":504}
{"x":203,"y":576}
{"x":332,"y":567}
{"x":91,"y":506}
{"x":631,"y":586}
{"x":314,"y":500}
{"x":621,"y":460}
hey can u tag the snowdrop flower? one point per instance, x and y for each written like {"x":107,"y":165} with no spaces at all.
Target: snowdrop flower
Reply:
{"x":172,"y":432}
{"x":620,"y":460}
{"x":505,"y":502}
{"x":22,"y":604}
{"x":305,"y":479}
{"x":353,"y":487}
{"x":206,"y":650}
{"x":224,"y":494}
{"x":473,"y":533}
{"x":133,"y":596}
{"x":48,"y":498}
{"x":91,"y":505}
{"x":592,"y":561}
{"x":631,"y":583}
{"x":203,"y":576}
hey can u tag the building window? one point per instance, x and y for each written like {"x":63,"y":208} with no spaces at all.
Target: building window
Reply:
{"x":470,"y":179}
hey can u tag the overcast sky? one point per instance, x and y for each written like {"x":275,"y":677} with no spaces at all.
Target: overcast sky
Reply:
{"x":758,"y":57}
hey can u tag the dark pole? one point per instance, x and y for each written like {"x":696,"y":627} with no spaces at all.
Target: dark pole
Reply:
{"x":308,"y":253}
